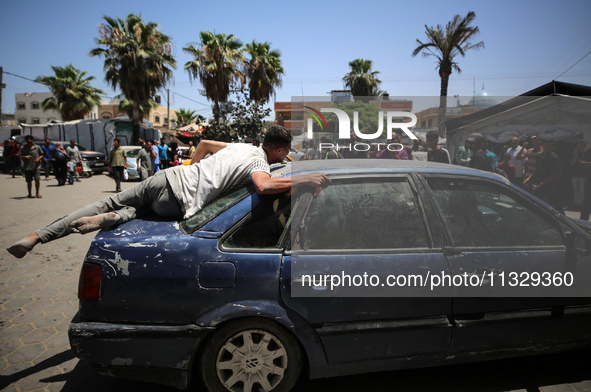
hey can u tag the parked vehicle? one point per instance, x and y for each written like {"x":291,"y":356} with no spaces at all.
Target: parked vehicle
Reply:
{"x":93,"y":162}
{"x":132,"y":153}
{"x":223,"y":296}
{"x":296,"y":155}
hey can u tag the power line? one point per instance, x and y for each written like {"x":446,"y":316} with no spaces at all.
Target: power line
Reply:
{"x":200,"y":103}
{"x":22,"y":77}
{"x":556,"y":78}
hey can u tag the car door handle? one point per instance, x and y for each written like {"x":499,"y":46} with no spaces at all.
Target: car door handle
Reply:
{"x":311,"y":281}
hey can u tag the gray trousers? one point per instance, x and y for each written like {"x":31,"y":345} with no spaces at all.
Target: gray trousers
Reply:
{"x":153,"y":195}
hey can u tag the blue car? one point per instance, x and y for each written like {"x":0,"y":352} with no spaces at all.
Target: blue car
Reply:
{"x":396,"y":264}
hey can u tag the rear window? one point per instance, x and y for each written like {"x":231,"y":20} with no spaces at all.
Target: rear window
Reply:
{"x":216,"y":207}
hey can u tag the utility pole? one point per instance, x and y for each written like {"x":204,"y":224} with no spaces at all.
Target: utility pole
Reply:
{"x":168,"y":106}
{"x":1,"y":87}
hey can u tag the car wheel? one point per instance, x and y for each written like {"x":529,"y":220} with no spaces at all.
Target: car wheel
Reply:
{"x":251,"y":355}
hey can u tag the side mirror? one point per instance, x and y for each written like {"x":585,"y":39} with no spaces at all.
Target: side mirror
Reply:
{"x":578,"y":243}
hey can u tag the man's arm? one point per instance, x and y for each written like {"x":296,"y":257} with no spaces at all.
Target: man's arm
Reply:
{"x":207,"y":147}
{"x":265,"y":185}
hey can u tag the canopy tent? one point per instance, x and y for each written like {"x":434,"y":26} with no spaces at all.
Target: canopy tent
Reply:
{"x":95,"y":135}
{"x":557,"y":116}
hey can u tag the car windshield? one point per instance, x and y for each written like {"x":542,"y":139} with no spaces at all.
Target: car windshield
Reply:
{"x":217,"y":206}
{"x":132,"y":153}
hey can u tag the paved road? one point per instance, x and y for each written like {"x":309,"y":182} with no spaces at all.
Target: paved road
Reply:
{"x":38,"y":299}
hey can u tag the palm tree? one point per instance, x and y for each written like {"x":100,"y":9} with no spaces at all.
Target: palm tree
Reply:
{"x":445,"y":45}
{"x":73,"y":96}
{"x":127,"y":106}
{"x":138,"y":60}
{"x":263,"y":70}
{"x":217,"y":61}
{"x":186,"y":117}
{"x":361,"y":80}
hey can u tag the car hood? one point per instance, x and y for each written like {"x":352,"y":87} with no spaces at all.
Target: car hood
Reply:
{"x":91,"y":154}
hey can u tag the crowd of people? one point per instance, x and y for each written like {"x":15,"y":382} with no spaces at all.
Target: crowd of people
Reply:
{"x":29,"y":159}
{"x":535,"y":166}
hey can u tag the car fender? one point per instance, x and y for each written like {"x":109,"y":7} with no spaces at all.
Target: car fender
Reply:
{"x":302,"y":330}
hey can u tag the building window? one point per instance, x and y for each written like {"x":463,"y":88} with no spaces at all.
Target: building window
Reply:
{"x":165,"y":120}
{"x":157,"y":119}
{"x":430,"y":123}
{"x":22,"y":120}
{"x":21,"y":106}
{"x":35,"y":121}
{"x":34,"y":105}
{"x":106,"y":116}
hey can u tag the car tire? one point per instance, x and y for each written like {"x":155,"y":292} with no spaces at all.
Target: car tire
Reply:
{"x":251,"y":355}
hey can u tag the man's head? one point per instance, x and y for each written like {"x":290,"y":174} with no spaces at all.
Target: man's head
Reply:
{"x":47,"y":140}
{"x":506,"y":157}
{"x":148,"y":146}
{"x":581,"y":146}
{"x":514,"y":141}
{"x":29,"y":139}
{"x":116,"y":143}
{"x":190,"y":143}
{"x":432,"y":139}
{"x":476,"y":141}
{"x":277,"y":143}
{"x":163,"y":141}
{"x":548,"y":146}
{"x":536,"y":141}
{"x":72,"y":143}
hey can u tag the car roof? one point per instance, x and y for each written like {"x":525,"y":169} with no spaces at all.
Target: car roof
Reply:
{"x":377,"y":166}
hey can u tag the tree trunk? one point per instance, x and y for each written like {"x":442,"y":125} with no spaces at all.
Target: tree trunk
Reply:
{"x":136,"y":124}
{"x":442,"y":106}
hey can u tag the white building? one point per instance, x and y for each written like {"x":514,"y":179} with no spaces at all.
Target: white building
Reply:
{"x":30,"y":111}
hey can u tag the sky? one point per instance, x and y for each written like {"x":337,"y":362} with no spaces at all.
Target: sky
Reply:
{"x":526,"y":43}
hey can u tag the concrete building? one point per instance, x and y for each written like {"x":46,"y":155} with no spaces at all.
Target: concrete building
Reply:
{"x":29,"y":110}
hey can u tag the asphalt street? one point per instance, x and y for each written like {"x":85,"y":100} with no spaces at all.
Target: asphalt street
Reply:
{"x":38,"y":300}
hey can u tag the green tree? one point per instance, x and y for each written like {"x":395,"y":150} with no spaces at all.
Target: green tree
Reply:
{"x":445,"y":45}
{"x":127,"y":106}
{"x":187,"y":116}
{"x":361,"y":80}
{"x":73,"y":96}
{"x":138,"y":60}
{"x":245,"y":119}
{"x":217,"y":62}
{"x":263,"y":70}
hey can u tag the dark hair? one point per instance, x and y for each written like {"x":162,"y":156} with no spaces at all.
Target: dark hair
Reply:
{"x":277,"y":137}
{"x":117,"y":140}
{"x":432,"y":135}
{"x":30,"y":137}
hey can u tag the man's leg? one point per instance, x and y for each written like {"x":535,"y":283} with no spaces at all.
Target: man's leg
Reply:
{"x":117,"y":174}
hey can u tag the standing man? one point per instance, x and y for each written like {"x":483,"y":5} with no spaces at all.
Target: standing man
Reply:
{"x":32,"y":155}
{"x":518,"y":155}
{"x":144,"y":161}
{"x":163,"y":154}
{"x":191,"y":149}
{"x":436,"y":152}
{"x":156,"y":160}
{"x":117,"y":163}
{"x":74,"y":157}
{"x":479,"y":159}
{"x":545,"y":179}
{"x":48,"y":151}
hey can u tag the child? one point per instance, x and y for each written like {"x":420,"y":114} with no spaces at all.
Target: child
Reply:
{"x":175,"y":161}
{"x":71,"y":167}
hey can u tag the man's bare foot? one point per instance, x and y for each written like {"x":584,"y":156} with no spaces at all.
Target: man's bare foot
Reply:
{"x":20,"y":248}
{"x":92,"y":223}
{"x":39,"y":196}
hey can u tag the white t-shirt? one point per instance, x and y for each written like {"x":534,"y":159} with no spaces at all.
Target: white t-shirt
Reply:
{"x":515,"y":152}
{"x":196,"y":185}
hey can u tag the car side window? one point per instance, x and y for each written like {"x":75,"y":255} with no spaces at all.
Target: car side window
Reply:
{"x":262,"y":229}
{"x":481,"y":214}
{"x":366,"y":214}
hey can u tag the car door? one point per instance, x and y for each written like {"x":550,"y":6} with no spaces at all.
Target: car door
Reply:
{"x":361,"y":231}
{"x":504,"y":242}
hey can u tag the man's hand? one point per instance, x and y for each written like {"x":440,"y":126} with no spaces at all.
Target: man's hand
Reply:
{"x":264,"y":184}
